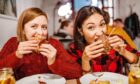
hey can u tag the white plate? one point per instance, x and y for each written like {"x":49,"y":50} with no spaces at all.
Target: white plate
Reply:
{"x":114,"y":78}
{"x":48,"y":78}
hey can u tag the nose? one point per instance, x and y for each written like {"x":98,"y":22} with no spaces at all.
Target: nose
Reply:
{"x":99,"y":32}
{"x":39,"y":31}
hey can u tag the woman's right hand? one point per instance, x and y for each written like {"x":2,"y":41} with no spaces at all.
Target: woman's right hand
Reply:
{"x":93,"y":50}
{"x":26,"y":47}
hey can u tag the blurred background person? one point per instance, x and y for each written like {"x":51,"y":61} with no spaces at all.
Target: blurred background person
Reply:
{"x":119,"y":24}
{"x":117,"y":30}
{"x":137,"y":42}
{"x":65,"y":32}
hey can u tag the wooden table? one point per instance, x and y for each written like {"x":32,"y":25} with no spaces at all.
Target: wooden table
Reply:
{"x":73,"y":81}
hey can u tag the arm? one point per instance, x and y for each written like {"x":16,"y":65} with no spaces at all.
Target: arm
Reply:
{"x":131,"y":57}
{"x":90,"y":52}
{"x":122,"y":48}
{"x":7,"y":55}
{"x":81,"y":58}
{"x":85,"y":65}
{"x":64,"y":65}
{"x":13,"y":51}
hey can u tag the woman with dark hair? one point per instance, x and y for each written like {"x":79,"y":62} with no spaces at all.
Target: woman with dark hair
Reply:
{"x":33,"y":52}
{"x":93,"y":48}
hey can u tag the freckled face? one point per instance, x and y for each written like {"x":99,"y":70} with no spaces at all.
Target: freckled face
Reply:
{"x":93,"y":27}
{"x":39,"y":26}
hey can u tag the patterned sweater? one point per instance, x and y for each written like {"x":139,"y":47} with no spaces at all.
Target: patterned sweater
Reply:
{"x":111,"y":62}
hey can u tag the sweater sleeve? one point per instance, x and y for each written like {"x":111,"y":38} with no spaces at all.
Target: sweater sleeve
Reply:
{"x":7,"y":55}
{"x":64,"y":65}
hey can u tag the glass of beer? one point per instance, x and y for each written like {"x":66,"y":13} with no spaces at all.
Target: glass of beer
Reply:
{"x":6,"y":76}
{"x":135,"y":73}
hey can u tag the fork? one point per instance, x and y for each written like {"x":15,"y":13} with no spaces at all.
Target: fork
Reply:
{"x":96,"y":75}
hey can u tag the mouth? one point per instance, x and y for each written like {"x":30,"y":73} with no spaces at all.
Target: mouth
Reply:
{"x":96,"y":38}
{"x":40,"y":40}
{"x":39,"y":37}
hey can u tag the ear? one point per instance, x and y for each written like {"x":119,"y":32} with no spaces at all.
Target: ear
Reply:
{"x":80,"y":31}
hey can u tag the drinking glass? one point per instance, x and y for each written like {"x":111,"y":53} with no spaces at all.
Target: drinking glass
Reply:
{"x":6,"y":76}
{"x":135,"y":73}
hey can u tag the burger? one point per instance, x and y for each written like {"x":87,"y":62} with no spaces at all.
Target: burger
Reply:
{"x":40,"y":40}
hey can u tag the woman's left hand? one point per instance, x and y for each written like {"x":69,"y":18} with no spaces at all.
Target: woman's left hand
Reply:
{"x":117,"y":43}
{"x":49,"y":51}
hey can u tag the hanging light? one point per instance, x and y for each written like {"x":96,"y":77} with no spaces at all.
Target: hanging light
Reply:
{"x":65,"y":10}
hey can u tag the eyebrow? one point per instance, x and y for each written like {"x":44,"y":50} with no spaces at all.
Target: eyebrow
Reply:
{"x":36,"y":23}
{"x":94,"y":23}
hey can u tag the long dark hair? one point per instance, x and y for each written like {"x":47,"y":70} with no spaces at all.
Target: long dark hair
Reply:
{"x":84,"y":13}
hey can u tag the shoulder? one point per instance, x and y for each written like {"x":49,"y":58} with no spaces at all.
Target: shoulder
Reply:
{"x":12,"y":40}
{"x":54,"y":42}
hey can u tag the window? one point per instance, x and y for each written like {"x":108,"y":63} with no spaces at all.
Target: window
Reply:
{"x":106,"y":5}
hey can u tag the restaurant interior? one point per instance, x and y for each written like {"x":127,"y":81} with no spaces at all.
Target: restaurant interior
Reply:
{"x":126,"y":11}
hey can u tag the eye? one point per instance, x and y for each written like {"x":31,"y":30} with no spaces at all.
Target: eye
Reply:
{"x":91,"y":28}
{"x":44,"y":27}
{"x":34,"y":26}
{"x":102,"y":24}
